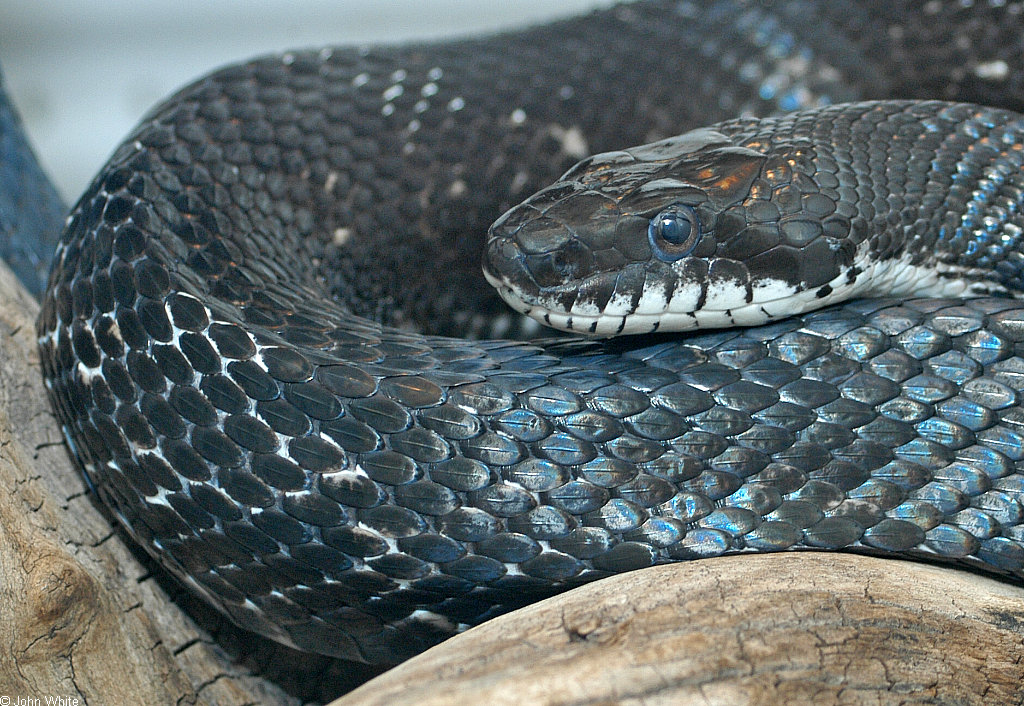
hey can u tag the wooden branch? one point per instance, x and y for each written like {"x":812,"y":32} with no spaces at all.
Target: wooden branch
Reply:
{"x":793,"y":628}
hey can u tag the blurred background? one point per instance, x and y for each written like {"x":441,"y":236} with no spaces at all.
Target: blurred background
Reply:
{"x":83,"y":72}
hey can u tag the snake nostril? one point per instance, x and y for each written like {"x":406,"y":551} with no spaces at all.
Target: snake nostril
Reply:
{"x":565,"y":264}
{"x":501,"y":255}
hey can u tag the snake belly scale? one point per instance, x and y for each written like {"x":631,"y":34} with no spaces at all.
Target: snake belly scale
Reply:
{"x":227,"y":334}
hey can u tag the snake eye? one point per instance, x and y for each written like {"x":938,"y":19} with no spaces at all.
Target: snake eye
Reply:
{"x":674,"y":232}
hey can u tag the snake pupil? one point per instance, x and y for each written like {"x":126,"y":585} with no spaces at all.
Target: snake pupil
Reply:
{"x":674,"y":232}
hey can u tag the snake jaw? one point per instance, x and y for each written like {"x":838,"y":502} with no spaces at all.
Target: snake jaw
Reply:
{"x":640,"y":297}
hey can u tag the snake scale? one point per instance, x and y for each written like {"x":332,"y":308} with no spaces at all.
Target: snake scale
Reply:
{"x":272,"y":349}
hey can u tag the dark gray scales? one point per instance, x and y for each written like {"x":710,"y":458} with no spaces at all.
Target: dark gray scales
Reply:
{"x":366,"y":491}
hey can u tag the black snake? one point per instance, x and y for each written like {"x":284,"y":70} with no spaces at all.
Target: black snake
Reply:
{"x":228,"y":329}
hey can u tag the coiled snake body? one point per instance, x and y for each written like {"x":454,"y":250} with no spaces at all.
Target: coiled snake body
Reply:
{"x":227,"y":330}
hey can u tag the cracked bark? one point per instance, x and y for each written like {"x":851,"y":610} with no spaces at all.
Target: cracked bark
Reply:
{"x":81,"y":614}
{"x":807,"y":628}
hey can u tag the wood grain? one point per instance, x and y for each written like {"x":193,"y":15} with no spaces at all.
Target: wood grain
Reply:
{"x":803,"y":628}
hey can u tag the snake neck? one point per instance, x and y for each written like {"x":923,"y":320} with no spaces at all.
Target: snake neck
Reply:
{"x":920,"y":198}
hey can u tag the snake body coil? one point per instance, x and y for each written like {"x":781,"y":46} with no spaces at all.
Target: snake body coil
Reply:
{"x":350,"y":487}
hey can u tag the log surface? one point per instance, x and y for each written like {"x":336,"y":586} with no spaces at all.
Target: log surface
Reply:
{"x":803,"y":628}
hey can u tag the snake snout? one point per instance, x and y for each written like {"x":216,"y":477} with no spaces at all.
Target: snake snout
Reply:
{"x":537,"y":247}
{"x":545,"y":256}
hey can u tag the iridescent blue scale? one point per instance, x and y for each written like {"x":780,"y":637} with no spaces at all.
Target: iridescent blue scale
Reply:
{"x":951,"y":541}
{"x":987,"y":229}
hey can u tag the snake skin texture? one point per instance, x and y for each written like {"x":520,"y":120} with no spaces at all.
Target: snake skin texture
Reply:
{"x":228,"y":336}
{"x":790,"y":213}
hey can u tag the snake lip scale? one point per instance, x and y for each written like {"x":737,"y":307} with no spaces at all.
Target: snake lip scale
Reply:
{"x":227,"y":334}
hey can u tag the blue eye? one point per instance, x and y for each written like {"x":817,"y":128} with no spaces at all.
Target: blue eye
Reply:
{"x":674,"y":232}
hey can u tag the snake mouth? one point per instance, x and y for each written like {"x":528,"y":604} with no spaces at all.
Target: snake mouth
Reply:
{"x":594,"y":281}
{"x":640,"y":297}
{"x":695,"y":293}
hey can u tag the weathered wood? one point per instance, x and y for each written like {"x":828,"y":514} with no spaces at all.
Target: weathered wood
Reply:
{"x":63,"y":614}
{"x":772,"y":629}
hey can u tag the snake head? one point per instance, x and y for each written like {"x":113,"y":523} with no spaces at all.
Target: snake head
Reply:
{"x":690,"y":232}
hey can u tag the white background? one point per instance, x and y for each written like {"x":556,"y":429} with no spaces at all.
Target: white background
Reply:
{"x":82,"y":72}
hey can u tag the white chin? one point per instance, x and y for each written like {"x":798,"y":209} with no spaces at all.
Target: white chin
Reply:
{"x":606,"y":325}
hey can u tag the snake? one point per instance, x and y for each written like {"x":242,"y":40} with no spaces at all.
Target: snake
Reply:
{"x":274,"y":353}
